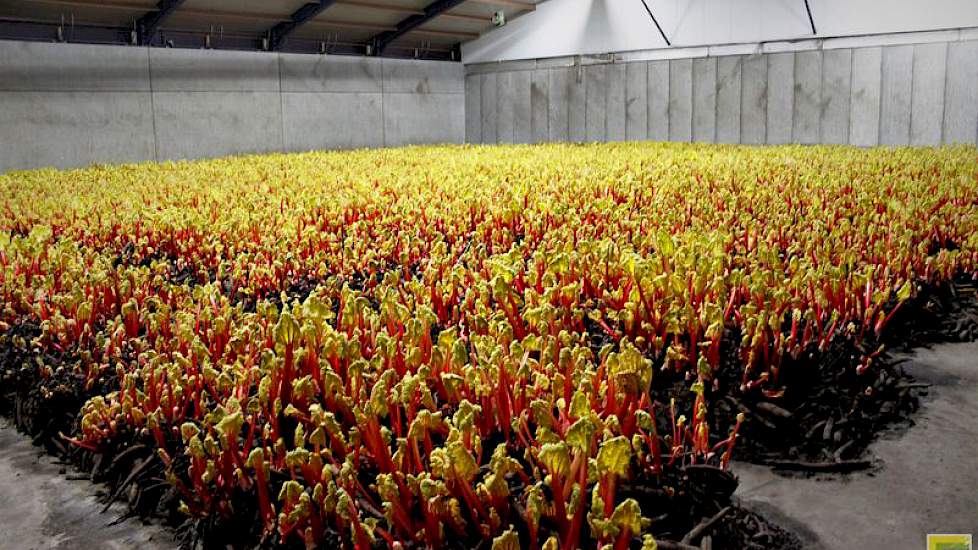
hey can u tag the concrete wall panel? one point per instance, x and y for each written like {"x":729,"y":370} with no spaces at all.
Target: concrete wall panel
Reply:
{"x":332,"y":120}
{"x":704,"y":99}
{"x":895,"y":95}
{"x":927,"y":95}
{"x":489,"y":108}
{"x":178,"y":70}
{"x":728,"y":99}
{"x":961,"y":96}
{"x":522,"y":106}
{"x":780,"y":96}
{"x":540,"y":105}
{"x":506,"y":108}
{"x":421,"y":77}
{"x":834,"y":103}
{"x":192,"y":125}
{"x":808,"y":97}
{"x":423,"y":118}
{"x":864,"y":106}
{"x":92,"y":103}
{"x":615,"y":123}
{"x":595,"y":27}
{"x":69,"y":129}
{"x":753,"y":100}
{"x":680,"y":99}
{"x":865,"y":95}
{"x":39,"y":66}
{"x":596,"y":118}
{"x":558,"y":107}
{"x":577,"y":106}
{"x":658,"y":73}
{"x":331,"y":73}
{"x":473,"y":108}
{"x":636,"y":101}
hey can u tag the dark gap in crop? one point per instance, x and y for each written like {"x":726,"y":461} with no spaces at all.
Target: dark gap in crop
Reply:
{"x":175,"y":275}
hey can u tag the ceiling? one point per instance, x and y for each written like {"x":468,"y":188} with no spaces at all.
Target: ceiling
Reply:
{"x":345,"y":26}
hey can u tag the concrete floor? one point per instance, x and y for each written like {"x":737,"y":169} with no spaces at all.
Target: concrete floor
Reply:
{"x":41,"y":509}
{"x":927,"y":480}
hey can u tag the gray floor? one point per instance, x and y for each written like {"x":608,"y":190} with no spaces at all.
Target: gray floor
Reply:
{"x":41,"y":509}
{"x":927,"y":481}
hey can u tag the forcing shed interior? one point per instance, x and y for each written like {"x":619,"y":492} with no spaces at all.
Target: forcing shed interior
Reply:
{"x":124,"y":87}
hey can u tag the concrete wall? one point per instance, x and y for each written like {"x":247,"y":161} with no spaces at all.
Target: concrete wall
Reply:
{"x":590,"y":27}
{"x":67,"y":105}
{"x":899,"y":92}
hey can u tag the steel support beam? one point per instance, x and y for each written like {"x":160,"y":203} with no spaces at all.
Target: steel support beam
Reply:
{"x":147,"y":25}
{"x":810,"y":19}
{"x":654,"y":20}
{"x":433,"y":10}
{"x":379,"y":7}
{"x":280,"y":32}
{"x":265,"y":17}
{"x":48,"y":31}
{"x":516,"y":4}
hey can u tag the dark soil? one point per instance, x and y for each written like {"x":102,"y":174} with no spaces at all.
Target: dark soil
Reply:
{"x":704,"y":493}
{"x":948,"y":314}
{"x":174,"y":273}
{"x":830,"y":413}
{"x":47,"y":410}
{"x":750,"y":531}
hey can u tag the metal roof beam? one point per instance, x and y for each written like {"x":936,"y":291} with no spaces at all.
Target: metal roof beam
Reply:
{"x":280,"y":32}
{"x":517,"y":4}
{"x":148,"y":24}
{"x":811,"y":20}
{"x":433,"y":10}
{"x":219,"y":16}
{"x":656,"y":21}
{"x":83,"y":33}
{"x":380,"y":7}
